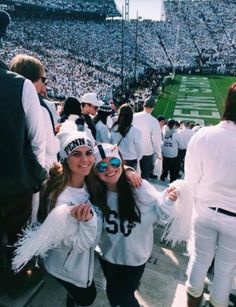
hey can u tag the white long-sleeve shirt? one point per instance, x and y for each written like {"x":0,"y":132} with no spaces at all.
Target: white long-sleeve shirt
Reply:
{"x":185,"y":135}
{"x":210,"y":165}
{"x":103,"y":134}
{"x":34,"y":121}
{"x":52,"y":142}
{"x":170,"y":143}
{"x":122,"y":243}
{"x":131,"y":146}
{"x":151,"y":133}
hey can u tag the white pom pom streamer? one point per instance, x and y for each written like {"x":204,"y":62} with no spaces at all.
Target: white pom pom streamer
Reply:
{"x":37,"y":240}
{"x":178,"y":225}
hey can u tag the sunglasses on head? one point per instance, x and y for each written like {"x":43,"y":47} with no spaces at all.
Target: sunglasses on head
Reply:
{"x":102,"y":166}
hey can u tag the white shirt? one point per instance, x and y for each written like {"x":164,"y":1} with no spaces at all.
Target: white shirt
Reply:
{"x":52,"y":107}
{"x":34,"y":120}
{"x":151,"y":133}
{"x":210,"y":165}
{"x":170,"y":143}
{"x":185,"y":135}
{"x":52,"y":142}
{"x":126,"y":245}
{"x":103,"y":134}
{"x":131,"y":146}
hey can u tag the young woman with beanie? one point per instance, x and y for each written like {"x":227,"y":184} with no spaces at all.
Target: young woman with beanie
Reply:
{"x":70,"y":226}
{"x":103,"y":134}
{"x":70,"y":232}
{"x":127,"y":237}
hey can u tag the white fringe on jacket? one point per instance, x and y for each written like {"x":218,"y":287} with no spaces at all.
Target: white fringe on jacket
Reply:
{"x":38,"y":239}
{"x":178,"y":225}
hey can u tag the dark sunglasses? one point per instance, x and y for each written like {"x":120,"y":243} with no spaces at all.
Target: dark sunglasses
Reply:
{"x":44,"y":80}
{"x":102,"y":166}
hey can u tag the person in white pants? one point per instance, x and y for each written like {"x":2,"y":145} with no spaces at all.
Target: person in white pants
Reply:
{"x":210,"y":168}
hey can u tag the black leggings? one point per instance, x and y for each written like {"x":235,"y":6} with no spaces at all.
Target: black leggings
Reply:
{"x":78,"y":295}
{"x":122,"y":281}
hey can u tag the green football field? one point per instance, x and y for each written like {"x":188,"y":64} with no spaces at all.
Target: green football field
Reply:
{"x":194,"y":97}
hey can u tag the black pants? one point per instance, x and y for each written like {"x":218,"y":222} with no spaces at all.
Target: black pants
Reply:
{"x":181,"y":157}
{"x":170,"y":165}
{"x":122,"y":281}
{"x":78,"y":295}
{"x":146,"y":164}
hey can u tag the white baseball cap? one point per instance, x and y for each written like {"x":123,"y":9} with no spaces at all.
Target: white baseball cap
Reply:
{"x":92,"y":99}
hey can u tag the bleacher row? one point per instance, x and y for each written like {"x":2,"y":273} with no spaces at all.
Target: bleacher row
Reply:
{"x":83,"y":56}
{"x":101,"y":7}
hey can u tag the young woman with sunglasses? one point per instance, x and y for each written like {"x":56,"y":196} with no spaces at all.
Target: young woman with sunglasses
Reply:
{"x":129,"y":215}
{"x":70,"y":227}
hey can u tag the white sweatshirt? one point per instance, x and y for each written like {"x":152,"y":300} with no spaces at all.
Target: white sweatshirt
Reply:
{"x":151,"y":133}
{"x":210,"y":165}
{"x":131,"y":146}
{"x":73,"y":261}
{"x":103,"y":134}
{"x":123,"y":244}
{"x":170,"y":143}
{"x":185,"y":135}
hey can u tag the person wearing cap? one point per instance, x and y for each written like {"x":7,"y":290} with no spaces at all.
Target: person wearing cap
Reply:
{"x":127,"y":238}
{"x":22,"y":159}
{"x":151,"y":136}
{"x":70,"y":224}
{"x":103,"y":134}
{"x":72,"y":261}
{"x":33,"y":69}
{"x":72,"y":119}
{"x":89,"y":106}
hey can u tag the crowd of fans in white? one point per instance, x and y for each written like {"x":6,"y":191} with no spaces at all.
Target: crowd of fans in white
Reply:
{"x":92,"y":6}
{"x":82,"y":56}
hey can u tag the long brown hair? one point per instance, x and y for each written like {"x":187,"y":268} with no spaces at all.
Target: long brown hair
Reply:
{"x":230,"y":105}
{"x":127,"y":207}
{"x":125,"y":119}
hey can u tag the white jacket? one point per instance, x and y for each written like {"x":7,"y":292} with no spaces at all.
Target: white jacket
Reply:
{"x":73,"y":261}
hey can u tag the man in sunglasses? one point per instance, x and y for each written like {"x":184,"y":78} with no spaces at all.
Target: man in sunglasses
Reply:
{"x":33,"y":69}
{"x":89,"y":106}
{"x":22,"y":157}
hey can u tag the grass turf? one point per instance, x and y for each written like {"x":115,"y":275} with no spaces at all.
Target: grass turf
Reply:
{"x":166,"y":100}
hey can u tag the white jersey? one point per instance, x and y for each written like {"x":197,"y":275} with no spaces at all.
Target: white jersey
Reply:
{"x":127,"y":244}
{"x":130,"y":146}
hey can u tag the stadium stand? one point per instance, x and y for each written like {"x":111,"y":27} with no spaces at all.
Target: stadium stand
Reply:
{"x":85,"y":55}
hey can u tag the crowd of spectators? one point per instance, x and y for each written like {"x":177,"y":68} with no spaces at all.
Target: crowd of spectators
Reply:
{"x":102,"y":7}
{"x":83,"y":56}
